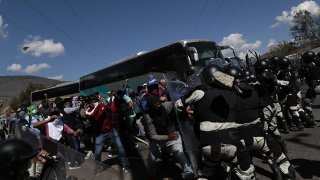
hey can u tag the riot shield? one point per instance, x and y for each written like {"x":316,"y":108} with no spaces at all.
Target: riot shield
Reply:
{"x":177,"y":89}
{"x":57,"y":165}
{"x":3,"y":126}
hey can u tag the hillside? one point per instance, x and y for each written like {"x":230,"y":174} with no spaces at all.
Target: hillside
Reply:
{"x":12,"y":85}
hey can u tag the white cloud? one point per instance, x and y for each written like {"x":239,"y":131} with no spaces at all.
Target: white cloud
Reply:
{"x":14,"y":67}
{"x":272,"y":43}
{"x":3,"y":26}
{"x":60,"y":77}
{"x":38,"y":47}
{"x":241,"y":46}
{"x":30,"y":69}
{"x":287,"y":16}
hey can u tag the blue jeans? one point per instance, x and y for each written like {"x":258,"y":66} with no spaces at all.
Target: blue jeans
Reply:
{"x":114,"y":137}
{"x":75,"y":145}
{"x":155,"y":151}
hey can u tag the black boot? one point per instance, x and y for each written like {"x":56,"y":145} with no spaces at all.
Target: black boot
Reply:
{"x":291,"y":175}
{"x":298,"y":123}
{"x":309,"y":123}
{"x":276,"y":171}
{"x":284,"y":125}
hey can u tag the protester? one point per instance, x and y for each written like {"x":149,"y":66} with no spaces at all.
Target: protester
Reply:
{"x":129,"y":120}
{"x":45,"y":108}
{"x":163,"y":137}
{"x":163,"y":90}
{"x":104,"y":132}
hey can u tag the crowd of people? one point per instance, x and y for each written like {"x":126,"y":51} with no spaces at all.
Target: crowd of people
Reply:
{"x":235,"y":114}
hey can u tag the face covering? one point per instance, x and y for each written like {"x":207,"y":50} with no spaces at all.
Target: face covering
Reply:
{"x":34,"y":111}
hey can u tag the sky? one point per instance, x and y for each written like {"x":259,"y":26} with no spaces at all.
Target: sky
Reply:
{"x":67,"y":39}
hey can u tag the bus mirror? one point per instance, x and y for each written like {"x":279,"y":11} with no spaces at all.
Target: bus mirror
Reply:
{"x":193,"y":54}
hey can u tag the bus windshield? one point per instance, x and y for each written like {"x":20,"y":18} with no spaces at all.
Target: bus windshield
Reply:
{"x":207,"y":52}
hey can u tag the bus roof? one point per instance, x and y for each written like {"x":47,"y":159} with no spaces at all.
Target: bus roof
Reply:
{"x":59,"y":85}
{"x":183,"y":43}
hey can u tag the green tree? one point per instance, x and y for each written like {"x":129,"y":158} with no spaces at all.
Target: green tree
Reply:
{"x":282,"y":49}
{"x":306,"y":26}
{"x":14,"y":103}
{"x":24,"y":96}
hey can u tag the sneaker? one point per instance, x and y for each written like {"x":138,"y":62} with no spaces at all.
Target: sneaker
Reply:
{"x":90,"y":153}
{"x":73,"y":167}
{"x":110,"y":155}
{"x":126,"y":169}
{"x":136,"y":146}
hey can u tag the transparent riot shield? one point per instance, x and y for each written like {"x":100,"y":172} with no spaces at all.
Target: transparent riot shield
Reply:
{"x":57,"y":165}
{"x":176,"y":90}
{"x":3,"y":126}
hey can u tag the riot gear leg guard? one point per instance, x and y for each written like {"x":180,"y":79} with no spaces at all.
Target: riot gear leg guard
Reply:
{"x":306,"y":104}
{"x":280,"y":117}
{"x":295,"y":117}
{"x":275,"y":169}
{"x":309,"y":123}
{"x":285,"y":167}
{"x":245,"y":174}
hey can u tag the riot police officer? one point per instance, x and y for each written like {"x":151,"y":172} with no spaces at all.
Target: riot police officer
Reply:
{"x":272,"y":146}
{"x":226,"y":112}
{"x":289,"y":92}
{"x":15,"y":156}
{"x":267,"y":92}
{"x":311,"y":71}
{"x":218,"y":122}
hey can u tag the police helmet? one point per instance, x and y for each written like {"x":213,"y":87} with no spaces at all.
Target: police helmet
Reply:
{"x":234,"y":71}
{"x":15,"y":155}
{"x":261,"y":65}
{"x":284,"y":63}
{"x":207,"y":73}
{"x":275,"y":59}
{"x":308,"y":57}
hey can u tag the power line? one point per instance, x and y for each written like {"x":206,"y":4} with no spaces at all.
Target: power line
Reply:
{"x":200,"y":15}
{"x":17,"y":25}
{"x":87,"y":27}
{"x":60,"y":29}
{"x":216,"y":12}
{"x":230,"y":15}
{"x":30,"y":33}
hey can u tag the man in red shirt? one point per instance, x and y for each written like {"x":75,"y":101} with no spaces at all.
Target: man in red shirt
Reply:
{"x":104,"y":130}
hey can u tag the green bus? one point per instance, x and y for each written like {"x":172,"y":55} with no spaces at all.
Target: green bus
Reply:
{"x":180,"y":58}
{"x":63,"y":90}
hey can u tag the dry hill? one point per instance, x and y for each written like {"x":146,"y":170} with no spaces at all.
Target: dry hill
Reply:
{"x":11,"y":86}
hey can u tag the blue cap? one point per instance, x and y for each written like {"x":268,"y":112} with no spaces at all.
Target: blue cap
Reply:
{"x":151,"y":80}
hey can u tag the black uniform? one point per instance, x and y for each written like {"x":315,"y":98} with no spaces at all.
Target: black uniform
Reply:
{"x":289,"y":93}
{"x":311,"y":71}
